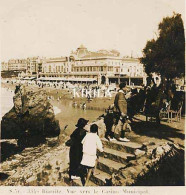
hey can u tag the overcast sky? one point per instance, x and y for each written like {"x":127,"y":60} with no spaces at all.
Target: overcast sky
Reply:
{"x":55,"y":27}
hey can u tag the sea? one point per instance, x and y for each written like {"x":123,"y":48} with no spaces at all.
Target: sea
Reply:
{"x":63,"y":110}
{"x":6,"y":104}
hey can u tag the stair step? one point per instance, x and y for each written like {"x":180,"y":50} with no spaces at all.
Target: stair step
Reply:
{"x":76,"y":182}
{"x":128,"y":147}
{"x":99,"y":177}
{"x":109,"y":166}
{"x":116,"y":155}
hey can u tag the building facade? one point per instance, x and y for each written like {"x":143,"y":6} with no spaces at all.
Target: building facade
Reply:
{"x":34,"y":65}
{"x":17,"y":64}
{"x":55,"y":67}
{"x":103,"y":67}
{"x":4,"y":66}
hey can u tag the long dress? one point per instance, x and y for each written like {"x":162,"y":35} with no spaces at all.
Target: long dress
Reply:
{"x":76,"y":150}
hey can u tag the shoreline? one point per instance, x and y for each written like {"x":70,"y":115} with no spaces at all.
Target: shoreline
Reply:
{"x":65,"y":116}
{"x":100,"y":103}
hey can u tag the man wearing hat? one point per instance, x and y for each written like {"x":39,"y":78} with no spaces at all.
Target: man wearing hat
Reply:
{"x":120,"y":110}
{"x":76,"y":147}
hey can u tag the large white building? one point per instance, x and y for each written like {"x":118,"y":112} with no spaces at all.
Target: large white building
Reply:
{"x":17,"y":64}
{"x":53,"y":67}
{"x":102,"y":67}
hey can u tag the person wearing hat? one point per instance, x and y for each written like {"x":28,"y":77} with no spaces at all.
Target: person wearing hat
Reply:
{"x":120,"y":110}
{"x":76,"y":147}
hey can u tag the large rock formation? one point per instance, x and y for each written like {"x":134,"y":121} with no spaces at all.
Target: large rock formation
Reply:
{"x":32,"y":116}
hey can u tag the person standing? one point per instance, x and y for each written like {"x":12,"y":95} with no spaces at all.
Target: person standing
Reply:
{"x":91,"y":143}
{"x":120,"y":111}
{"x":76,"y":152}
{"x":109,"y":122}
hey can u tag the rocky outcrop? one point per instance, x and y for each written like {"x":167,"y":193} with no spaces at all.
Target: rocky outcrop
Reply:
{"x":35,"y":166}
{"x":31,"y":117}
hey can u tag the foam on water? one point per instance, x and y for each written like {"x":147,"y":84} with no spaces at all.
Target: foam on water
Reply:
{"x":56,"y":110}
{"x":6,"y":101}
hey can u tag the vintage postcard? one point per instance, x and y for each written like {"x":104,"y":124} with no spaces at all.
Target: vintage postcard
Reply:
{"x":92,"y":97}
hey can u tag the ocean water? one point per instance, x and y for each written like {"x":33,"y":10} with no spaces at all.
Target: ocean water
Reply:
{"x":63,"y":109}
{"x":6,"y":101}
{"x":68,"y":115}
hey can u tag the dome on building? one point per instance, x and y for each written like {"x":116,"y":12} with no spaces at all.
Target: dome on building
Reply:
{"x":82,"y":51}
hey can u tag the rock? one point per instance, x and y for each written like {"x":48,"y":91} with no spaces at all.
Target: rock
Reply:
{"x":116,"y":180}
{"x":32,"y":181}
{"x":146,"y":145}
{"x":157,"y":152}
{"x":32,"y":117}
{"x":139,"y":153}
{"x":166,"y":147}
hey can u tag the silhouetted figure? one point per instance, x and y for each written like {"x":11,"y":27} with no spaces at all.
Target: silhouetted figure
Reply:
{"x":76,"y":147}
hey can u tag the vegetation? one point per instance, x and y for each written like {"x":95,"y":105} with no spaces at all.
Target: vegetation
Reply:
{"x":166,"y":54}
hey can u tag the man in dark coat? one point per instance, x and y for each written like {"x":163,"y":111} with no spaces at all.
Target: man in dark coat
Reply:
{"x":109,"y":122}
{"x":120,"y":110}
{"x":76,"y":147}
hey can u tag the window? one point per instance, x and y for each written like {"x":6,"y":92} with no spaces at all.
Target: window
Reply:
{"x":101,"y":68}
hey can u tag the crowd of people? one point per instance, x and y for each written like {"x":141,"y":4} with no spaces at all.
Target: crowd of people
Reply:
{"x":152,"y":98}
{"x":127,"y":102}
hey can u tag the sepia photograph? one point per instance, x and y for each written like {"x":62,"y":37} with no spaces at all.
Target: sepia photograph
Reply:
{"x":92,"y":95}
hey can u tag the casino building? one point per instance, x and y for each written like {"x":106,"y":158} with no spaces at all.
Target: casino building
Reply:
{"x":102,"y":67}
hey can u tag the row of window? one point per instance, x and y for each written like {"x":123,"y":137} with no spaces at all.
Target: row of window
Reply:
{"x":94,"y":69}
{"x":57,"y":69}
{"x":98,"y":62}
{"x":90,"y":69}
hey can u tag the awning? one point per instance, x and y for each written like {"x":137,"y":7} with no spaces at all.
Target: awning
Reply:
{"x":66,"y":79}
{"x":125,"y":77}
{"x":29,"y":78}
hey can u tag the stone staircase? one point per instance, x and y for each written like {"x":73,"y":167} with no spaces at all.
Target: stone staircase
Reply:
{"x":116,"y":156}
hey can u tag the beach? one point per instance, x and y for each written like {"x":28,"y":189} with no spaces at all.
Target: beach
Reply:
{"x":62,"y":102}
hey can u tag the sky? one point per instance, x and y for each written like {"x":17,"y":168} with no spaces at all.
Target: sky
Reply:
{"x":53,"y":28}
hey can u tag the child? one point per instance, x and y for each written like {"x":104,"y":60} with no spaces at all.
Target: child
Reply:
{"x":91,"y":143}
